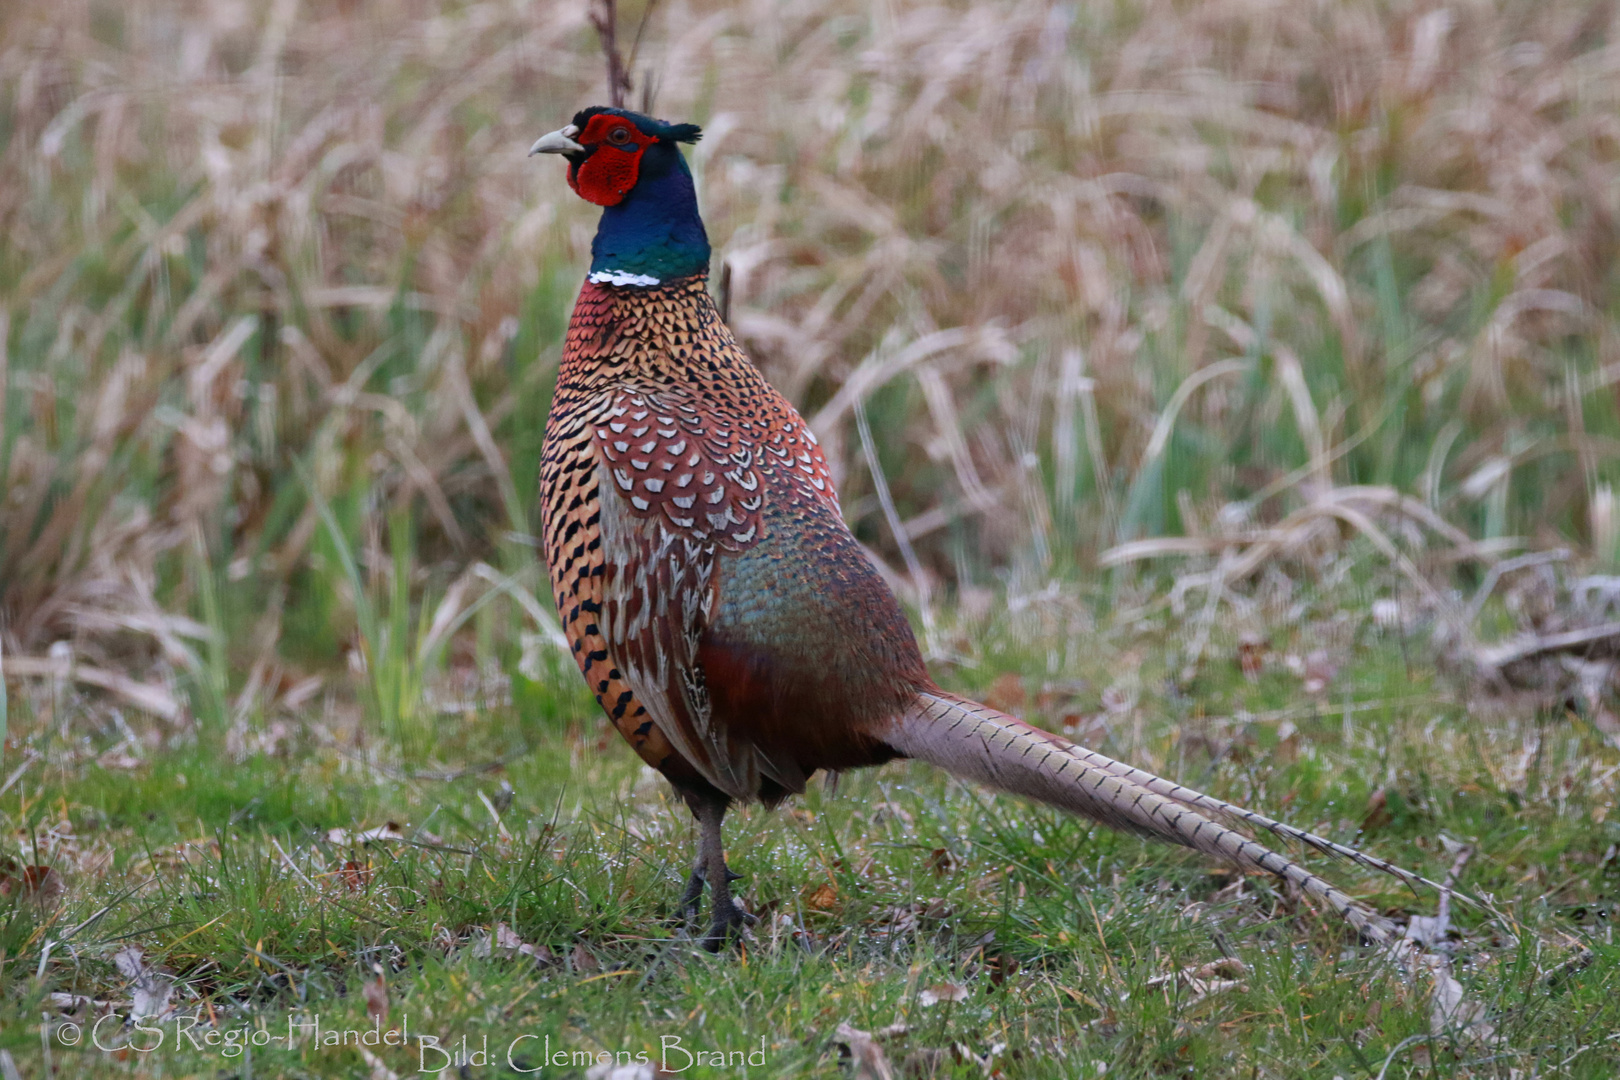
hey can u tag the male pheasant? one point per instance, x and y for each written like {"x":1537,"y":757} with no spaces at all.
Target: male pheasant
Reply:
{"x":716,"y":602}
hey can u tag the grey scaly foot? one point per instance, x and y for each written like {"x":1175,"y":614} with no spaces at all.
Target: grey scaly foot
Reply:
{"x":725,"y":922}
{"x":725,"y":917}
{"x":687,"y":905}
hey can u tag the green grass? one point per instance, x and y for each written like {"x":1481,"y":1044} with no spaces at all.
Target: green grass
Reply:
{"x":899,"y":881}
{"x":281,"y":307}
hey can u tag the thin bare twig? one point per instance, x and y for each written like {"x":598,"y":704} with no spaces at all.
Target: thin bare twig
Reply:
{"x":1586,"y":639}
{"x":635,"y":50}
{"x":1508,"y":566}
{"x":605,"y":17}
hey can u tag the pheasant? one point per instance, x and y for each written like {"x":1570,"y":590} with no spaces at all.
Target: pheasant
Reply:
{"x":720,"y":609}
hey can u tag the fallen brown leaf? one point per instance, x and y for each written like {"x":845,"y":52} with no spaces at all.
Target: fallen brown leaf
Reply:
{"x":356,"y":875}
{"x":375,"y":991}
{"x":946,"y":992}
{"x":149,"y":988}
{"x":505,"y":942}
{"x":867,"y":1059}
{"x":1007,"y":693}
{"x":41,"y":884}
{"x":1001,"y":967}
{"x":1377,"y":815}
{"x":1251,"y":655}
{"x":583,"y":962}
{"x":824,"y":898}
{"x":75,"y":1002}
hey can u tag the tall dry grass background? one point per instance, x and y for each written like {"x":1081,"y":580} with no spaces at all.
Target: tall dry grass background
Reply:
{"x":1209,"y":377}
{"x":281,"y":299}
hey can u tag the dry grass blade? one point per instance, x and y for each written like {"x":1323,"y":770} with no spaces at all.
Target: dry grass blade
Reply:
{"x":149,"y":697}
{"x":379,"y":1068}
{"x":919,"y":580}
{"x":1203,"y":981}
{"x":1298,"y":529}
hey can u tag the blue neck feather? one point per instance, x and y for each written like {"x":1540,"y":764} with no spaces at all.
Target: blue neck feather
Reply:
{"x":656,"y":230}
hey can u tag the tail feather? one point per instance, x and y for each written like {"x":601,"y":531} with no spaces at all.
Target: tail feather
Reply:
{"x":1197,"y":800}
{"x":976,"y":742}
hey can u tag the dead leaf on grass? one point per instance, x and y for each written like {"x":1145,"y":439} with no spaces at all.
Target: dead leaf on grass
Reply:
{"x":1001,"y":967}
{"x":1377,"y":815}
{"x":1449,"y":1008}
{"x":386,"y":831}
{"x":1251,"y":655}
{"x":375,"y":991}
{"x":149,"y":988}
{"x":1007,"y":693}
{"x":824,"y":898}
{"x":946,"y":992}
{"x":75,"y":1002}
{"x":867,"y":1059}
{"x":506,"y":943}
{"x":583,"y":962}
{"x":379,"y":1068}
{"x":356,"y":875}
{"x":38,"y":883}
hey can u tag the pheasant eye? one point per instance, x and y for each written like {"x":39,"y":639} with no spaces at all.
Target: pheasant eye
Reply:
{"x":619,"y":136}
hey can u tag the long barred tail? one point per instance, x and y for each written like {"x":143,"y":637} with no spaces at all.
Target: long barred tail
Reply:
{"x":1199,"y":801}
{"x":976,"y":742}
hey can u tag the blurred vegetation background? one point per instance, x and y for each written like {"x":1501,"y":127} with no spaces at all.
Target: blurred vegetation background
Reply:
{"x":1232,"y":385}
{"x":281,"y":302}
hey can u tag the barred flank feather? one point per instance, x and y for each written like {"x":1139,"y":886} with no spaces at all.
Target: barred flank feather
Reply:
{"x":976,"y":742}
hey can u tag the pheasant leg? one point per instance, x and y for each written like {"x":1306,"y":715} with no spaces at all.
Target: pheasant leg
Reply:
{"x":725,"y":917}
{"x":687,"y":905}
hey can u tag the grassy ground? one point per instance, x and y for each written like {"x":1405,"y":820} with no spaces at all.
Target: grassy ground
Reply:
{"x":993,"y":930}
{"x":1214,"y":354}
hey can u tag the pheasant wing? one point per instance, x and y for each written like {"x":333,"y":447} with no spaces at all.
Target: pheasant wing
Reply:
{"x":678,"y":488}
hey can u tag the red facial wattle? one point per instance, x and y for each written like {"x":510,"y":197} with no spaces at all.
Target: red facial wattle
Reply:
{"x":606,"y":176}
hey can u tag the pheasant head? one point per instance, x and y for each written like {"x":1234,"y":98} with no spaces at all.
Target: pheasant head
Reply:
{"x":631,"y":166}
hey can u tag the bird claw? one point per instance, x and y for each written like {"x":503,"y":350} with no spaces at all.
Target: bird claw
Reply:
{"x":726,"y":922}
{"x":691,"y":898}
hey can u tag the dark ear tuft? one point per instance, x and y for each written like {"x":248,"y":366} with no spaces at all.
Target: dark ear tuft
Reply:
{"x":687,"y":133}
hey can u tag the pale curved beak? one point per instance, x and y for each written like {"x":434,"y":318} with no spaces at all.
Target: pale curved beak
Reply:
{"x":558,"y":142}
